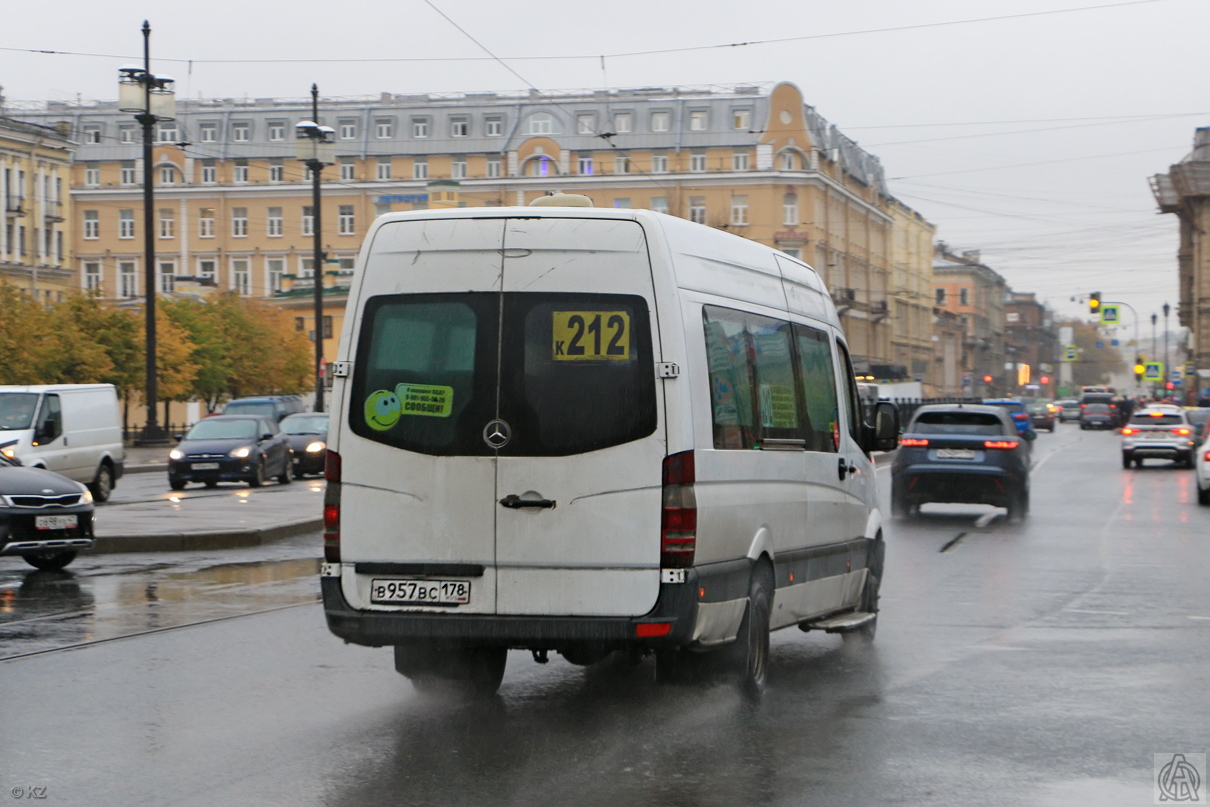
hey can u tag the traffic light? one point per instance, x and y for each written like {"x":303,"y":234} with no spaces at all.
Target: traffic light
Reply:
{"x":987,"y":379}
{"x":1045,"y":380}
{"x":1170,"y":386}
{"x":1094,"y":302}
{"x":1139,"y":368}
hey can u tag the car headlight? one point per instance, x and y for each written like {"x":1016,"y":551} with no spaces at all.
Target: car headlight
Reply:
{"x":86,"y":498}
{"x":241,"y":452}
{"x":175,"y":454}
{"x":9,"y":451}
{"x":316,"y":447}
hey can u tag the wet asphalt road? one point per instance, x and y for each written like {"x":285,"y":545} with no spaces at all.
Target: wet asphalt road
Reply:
{"x":1033,"y":664}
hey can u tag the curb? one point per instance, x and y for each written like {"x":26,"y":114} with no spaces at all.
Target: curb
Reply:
{"x":194,"y":541}
{"x":162,"y":467}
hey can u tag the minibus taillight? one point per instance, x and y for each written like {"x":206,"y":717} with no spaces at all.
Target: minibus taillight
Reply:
{"x":678,"y":522}
{"x":332,"y":507}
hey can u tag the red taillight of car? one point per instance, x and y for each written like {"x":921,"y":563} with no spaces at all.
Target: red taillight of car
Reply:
{"x":678,"y":520}
{"x":914,"y":442}
{"x":647,"y":630}
{"x":1182,"y":431}
{"x":1206,"y":456}
{"x":1000,"y":444}
{"x":1083,"y":406}
{"x":1128,"y":430}
{"x":332,"y":507}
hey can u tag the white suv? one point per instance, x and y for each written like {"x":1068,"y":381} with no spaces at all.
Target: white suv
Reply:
{"x":1162,"y":432}
{"x":1202,"y":456}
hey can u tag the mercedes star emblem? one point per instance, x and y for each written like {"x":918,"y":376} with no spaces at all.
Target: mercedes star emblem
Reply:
{"x":497,"y":434}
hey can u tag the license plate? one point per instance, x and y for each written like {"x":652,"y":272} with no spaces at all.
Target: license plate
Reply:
{"x":955,"y":453}
{"x":55,"y":522}
{"x":420,"y":592}
{"x":205,"y":466}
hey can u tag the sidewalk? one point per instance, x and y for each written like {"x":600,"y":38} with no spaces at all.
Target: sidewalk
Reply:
{"x":141,"y":459}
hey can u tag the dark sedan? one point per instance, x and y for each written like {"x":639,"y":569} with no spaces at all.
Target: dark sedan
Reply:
{"x":1042,"y":415}
{"x":44,"y":517}
{"x":308,"y":436}
{"x":961,"y":453}
{"x":230,"y":448}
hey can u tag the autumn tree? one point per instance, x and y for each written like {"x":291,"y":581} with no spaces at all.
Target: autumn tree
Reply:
{"x":1095,"y":364}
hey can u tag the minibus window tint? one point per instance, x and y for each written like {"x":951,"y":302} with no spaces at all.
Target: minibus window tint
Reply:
{"x":727,"y":356}
{"x":577,"y":372}
{"x":424,"y":378}
{"x":819,"y":388}
{"x":776,"y":396}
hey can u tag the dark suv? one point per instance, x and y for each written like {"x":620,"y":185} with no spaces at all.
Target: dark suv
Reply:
{"x":962,"y":453}
{"x":276,"y":407}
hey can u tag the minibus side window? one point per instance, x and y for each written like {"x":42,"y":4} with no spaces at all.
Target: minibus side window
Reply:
{"x":852,"y":403}
{"x":731,"y":392}
{"x":50,"y":420}
{"x":819,"y":388}
{"x":779,"y":412}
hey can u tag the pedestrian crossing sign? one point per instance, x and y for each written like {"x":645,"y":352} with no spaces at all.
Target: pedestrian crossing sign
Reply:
{"x":1110,"y":314}
{"x":1153,"y":371}
{"x":1070,"y":353}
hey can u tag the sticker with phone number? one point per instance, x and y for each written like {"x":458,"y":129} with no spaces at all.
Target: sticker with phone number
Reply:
{"x":590,"y":335}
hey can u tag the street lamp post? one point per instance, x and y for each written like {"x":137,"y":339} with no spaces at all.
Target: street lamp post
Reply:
{"x":1154,"y":317}
{"x":151,"y":98}
{"x":316,"y":148}
{"x":1167,"y":366}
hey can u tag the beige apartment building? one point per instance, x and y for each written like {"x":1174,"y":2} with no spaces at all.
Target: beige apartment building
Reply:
{"x":35,"y":181}
{"x":234,"y":205}
{"x":976,"y":294}
{"x":912,"y":343}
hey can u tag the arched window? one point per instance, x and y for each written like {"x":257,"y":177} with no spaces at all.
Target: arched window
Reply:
{"x":789,"y":161}
{"x":539,"y":167}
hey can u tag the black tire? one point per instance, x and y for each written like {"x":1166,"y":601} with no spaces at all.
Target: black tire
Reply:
{"x":102,"y":485}
{"x":176,"y":483}
{"x":900,"y":508}
{"x":1203,"y":496}
{"x":1138,"y":462}
{"x":285,"y":478}
{"x":750,"y":652}
{"x":436,"y":666}
{"x":258,"y":476}
{"x":51,"y":561}
{"x":1126,"y":459}
{"x":211,"y":483}
{"x":1018,"y":506}
{"x":298,"y":472}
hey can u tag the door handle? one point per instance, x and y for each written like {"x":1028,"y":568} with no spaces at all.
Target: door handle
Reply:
{"x":515,"y":502}
{"x":846,"y":467}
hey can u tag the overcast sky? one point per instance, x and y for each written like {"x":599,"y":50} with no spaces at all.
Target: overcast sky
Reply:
{"x":1026,"y":129}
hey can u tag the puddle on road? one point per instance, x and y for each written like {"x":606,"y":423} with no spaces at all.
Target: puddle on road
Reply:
{"x":49,"y":610}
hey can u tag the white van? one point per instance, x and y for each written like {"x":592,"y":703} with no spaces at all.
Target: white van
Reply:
{"x":72,"y":429}
{"x":588,"y":430}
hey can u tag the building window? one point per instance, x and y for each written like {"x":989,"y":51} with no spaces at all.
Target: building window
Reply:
{"x":964,"y":296}
{"x":306,"y":267}
{"x":125,"y":224}
{"x":420,"y":127}
{"x":697,"y":161}
{"x":208,"y":133}
{"x":739,"y":209}
{"x":240,"y":171}
{"x":621,"y":163}
{"x":493,"y":167}
{"x":241,"y":277}
{"x":659,"y":204}
{"x":793,"y":252}
{"x":584,"y":165}
{"x":458,"y":168}
{"x":206,"y":267}
{"x":586,"y":123}
{"x":92,"y":224}
{"x":384,"y":128}
{"x":128,"y":285}
{"x":241,"y":132}
{"x":420,"y":168}
{"x":622,"y":122}
{"x":92,"y":135}
{"x":274,"y":269}
{"x":348,"y":130}
{"x":460,"y":127}
{"x":92,"y":175}
{"x":346,"y":220}
{"x":239,"y":222}
{"x":739,"y":160}
{"x":92,"y":275}
{"x":697,"y":120}
{"x":277,"y":171}
{"x":660,"y":121}
{"x":277,"y":131}
{"x":697,"y":209}
{"x":495,"y":127}
{"x":789,"y":161}
{"x":209,"y":172}
{"x":741,"y":119}
{"x":274,"y":220}
{"x":939,"y":296}
{"x":167,"y":277}
{"x":382,"y":169}
{"x":205,"y":222}
{"x":128,"y":177}
{"x":167,"y":175}
{"x":789,"y":209}
{"x":539,"y":167}
{"x":167,"y":223}
{"x":166,"y":132}
{"x":541,"y":123}
{"x":126,"y":134}
{"x":659,"y":163}
{"x":623,"y":203}
{"x":348,"y":169}
{"x":308,"y":220}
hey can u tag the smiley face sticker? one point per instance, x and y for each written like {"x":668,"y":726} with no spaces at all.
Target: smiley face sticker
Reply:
{"x":382,"y":410}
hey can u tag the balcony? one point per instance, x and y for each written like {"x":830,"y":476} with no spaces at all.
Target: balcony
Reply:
{"x":14,"y":206}
{"x":52,"y":212}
